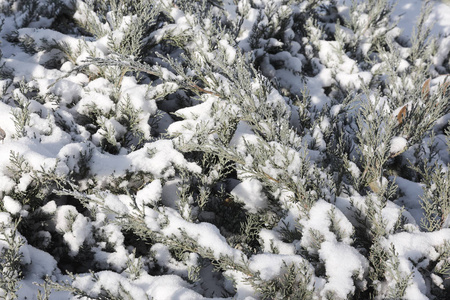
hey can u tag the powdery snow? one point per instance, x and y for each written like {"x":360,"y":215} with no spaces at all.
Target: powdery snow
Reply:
{"x":11,"y":205}
{"x":270,"y":239}
{"x":55,"y":142}
{"x":407,"y":12}
{"x":412,"y":249}
{"x":156,"y":158}
{"x":150,"y":194}
{"x":75,"y":227}
{"x":159,"y":287}
{"x":205,"y":234}
{"x":320,"y":222}
{"x":249,"y":192}
{"x":343,"y":264}
{"x":398,"y":145}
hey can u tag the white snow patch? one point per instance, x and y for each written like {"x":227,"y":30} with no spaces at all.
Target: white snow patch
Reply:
{"x":398,"y":144}
{"x":12,"y":206}
{"x":320,"y":221}
{"x":271,"y":239}
{"x":270,"y":266}
{"x":150,"y":194}
{"x":342,"y":264}
{"x":250,"y":192}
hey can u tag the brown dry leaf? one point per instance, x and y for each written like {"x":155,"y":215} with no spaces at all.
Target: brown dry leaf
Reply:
{"x":2,"y":134}
{"x":426,"y":88}
{"x":401,"y":115}
{"x":374,"y":186}
{"x":444,"y":89}
{"x":228,"y":201}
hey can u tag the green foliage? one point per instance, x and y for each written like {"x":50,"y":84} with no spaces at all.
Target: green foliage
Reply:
{"x":295,"y":282}
{"x":436,"y":199}
{"x":401,"y":280}
{"x":10,"y":262}
{"x":21,"y":115}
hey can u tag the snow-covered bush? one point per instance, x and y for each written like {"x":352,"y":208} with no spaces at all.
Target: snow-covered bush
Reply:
{"x":167,"y":149}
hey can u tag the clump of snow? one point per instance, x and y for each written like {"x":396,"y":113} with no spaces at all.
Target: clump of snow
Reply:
{"x":12,"y":206}
{"x":320,"y":221}
{"x":5,"y":218}
{"x":41,"y":263}
{"x":93,"y":95}
{"x":74,"y":227}
{"x":205,"y":234}
{"x":158,"y":158}
{"x":170,"y":193}
{"x":271,"y":239}
{"x":157,"y":287}
{"x":413,"y":248}
{"x":150,"y":194}
{"x":49,"y":208}
{"x":80,"y":231}
{"x":230,"y":51}
{"x":342,"y":272}
{"x":270,"y":266}
{"x":398,"y":144}
{"x":243,"y":131}
{"x":250,"y":193}
{"x":120,"y":204}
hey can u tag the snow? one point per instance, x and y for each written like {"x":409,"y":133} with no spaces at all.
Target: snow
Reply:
{"x":93,"y":98}
{"x":249,"y":192}
{"x":63,"y":216}
{"x":74,"y":227}
{"x":5,"y":218}
{"x":49,"y":208}
{"x":411,"y":200}
{"x":150,"y":194}
{"x":320,"y":221}
{"x":121,"y":204}
{"x":271,"y":239}
{"x":205,"y":234}
{"x":71,"y":154}
{"x":116,"y":260}
{"x":413,"y":248}
{"x":74,"y":104}
{"x":170,"y":286}
{"x":407,"y":12}
{"x":158,"y":158}
{"x":41,"y":263}
{"x":270,"y":265}
{"x":79,"y":232}
{"x":354,"y":80}
{"x":341,"y":272}
{"x":170,"y":192}
{"x":315,"y":86}
{"x":398,"y":144}
{"x":6,"y":184}
{"x":354,"y":170}
{"x":243,"y":132}
{"x":11,"y":205}
{"x":6,"y":123}
{"x":158,"y":287}
{"x":230,"y":52}
{"x":443,"y":50}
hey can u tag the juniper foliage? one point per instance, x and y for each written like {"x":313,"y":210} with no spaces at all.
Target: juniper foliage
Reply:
{"x":223,"y":149}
